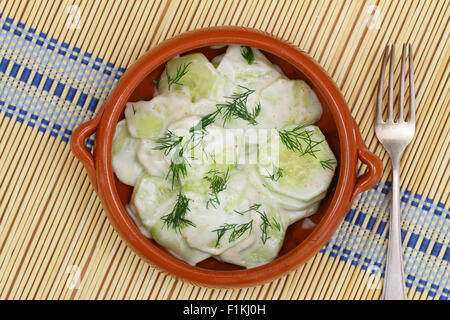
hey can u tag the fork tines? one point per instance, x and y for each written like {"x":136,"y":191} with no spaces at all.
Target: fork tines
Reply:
{"x":379,"y":115}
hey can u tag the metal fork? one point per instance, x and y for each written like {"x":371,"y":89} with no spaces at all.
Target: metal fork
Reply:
{"x":395,"y":136}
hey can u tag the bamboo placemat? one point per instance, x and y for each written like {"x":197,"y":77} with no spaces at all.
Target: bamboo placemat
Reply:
{"x":60,"y":59}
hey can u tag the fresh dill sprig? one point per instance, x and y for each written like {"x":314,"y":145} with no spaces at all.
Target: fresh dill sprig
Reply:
{"x":265,"y":224}
{"x":237,"y":107}
{"x":142,"y":99}
{"x":276,"y":224}
{"x":182,"y":70}
{"x":299,"y":139}
{"x":253,"y":207}
{"x":276,"y":174}
{"x":238,"y":230}
{"x":217,"y":183}
{"x":176,"y":218}
{"x":247,"y":54}
{"x":168,"y":142}
{"x":178,"y":166}
{"x":205,"y":121}
{"x":199,"y":129}
{"x":328,"y":164}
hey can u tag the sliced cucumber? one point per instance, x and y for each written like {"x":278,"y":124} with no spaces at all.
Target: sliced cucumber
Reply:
{"x":216,"y":60}
{"x":153,"y":160}
{"x":172,"y":240}
{"x":288,"y":102}
{"x":209,"y":220}
{"x":148,"y":119}
{"x":257,"y":75}
{"x":124,"y":161}
{"x":193,"y":71}
{"x":264,"y":242}
{"x":152,"y":196}
{"x":291,"y":216}
{"x":305,"y":176}
{"x":204,"y":150}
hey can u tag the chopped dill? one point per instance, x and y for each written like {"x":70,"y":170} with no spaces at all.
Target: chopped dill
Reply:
{"x":217,"y":183}
{"x":168,"y":142}
{"x":276,"y":224}
{"x":247,"y":54}
{"x":178,"y":166}
{"x":199,"y":130}
{"x":266,"y":224}
{"x":238,"y":230}
{"x":299,"y":139}
{"x":182,"y":70}
{"x":175,"y":219}
{"x":276,"y":174}
{"x":233,"y":109}
{"x":253,"y":207}
{"x":237,"y":107}
{"x":328,"y":164}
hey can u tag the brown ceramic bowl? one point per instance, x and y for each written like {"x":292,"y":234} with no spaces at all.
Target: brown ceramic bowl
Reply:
{"x":302,"y":239}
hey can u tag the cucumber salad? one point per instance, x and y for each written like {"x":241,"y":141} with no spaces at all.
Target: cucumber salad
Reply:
{"x":223,"y":158}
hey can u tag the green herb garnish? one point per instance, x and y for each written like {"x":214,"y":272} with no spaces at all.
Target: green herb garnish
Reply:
{"x":178,"y":166}
{"x":237,"y":107}
{"x":253,"y":207}
{"x":142,"y":99}
{"x":276,"y":224}
{"x":238,"y":230}
{"x":175,"y":219}
{"x":247,"y":54}
{"x":182,"y":70}
{"x":328,"y":164}
{"x":168,"y":142}
{"x":217,"y":183}
{"x":276,"y":174}
{"x":266,"y":224}
{"x":299,"y":139}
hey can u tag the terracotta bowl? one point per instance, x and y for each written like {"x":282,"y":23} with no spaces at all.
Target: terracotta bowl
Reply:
{"x":304,"y":238}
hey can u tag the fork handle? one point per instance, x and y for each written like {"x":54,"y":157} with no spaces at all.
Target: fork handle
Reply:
{"x":394,"y":280}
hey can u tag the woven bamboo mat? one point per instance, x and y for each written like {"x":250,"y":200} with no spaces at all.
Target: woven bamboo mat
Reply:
{"x":60,"y":59}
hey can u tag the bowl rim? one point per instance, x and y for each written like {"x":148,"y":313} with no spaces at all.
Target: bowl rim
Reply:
{"x":350,"y":143}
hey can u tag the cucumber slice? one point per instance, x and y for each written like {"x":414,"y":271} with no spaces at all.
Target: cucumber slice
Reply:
{"x":305,"y":176}
{"x":217,"y":59}
{"x":291,"y":216}
{"x":152,"y":196}
{"x":257,"y":75}
{"x":202,"y":107}
{"x":124,"y":161}
{"x":173,"y":241}
{"x":154,"y":161}
{"x":148,"y":119}
{"x":152,"y":199}
{"x":264,"y":242}
{"x":193,"y":71}
{"x":282,"y":201}
{"x":205,"y":235}
{"x":214,"y":149}
{"x":288,"y":102}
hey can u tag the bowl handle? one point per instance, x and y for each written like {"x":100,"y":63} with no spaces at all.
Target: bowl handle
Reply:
{"x":374,"y":164}
{"x":79,"y":149}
